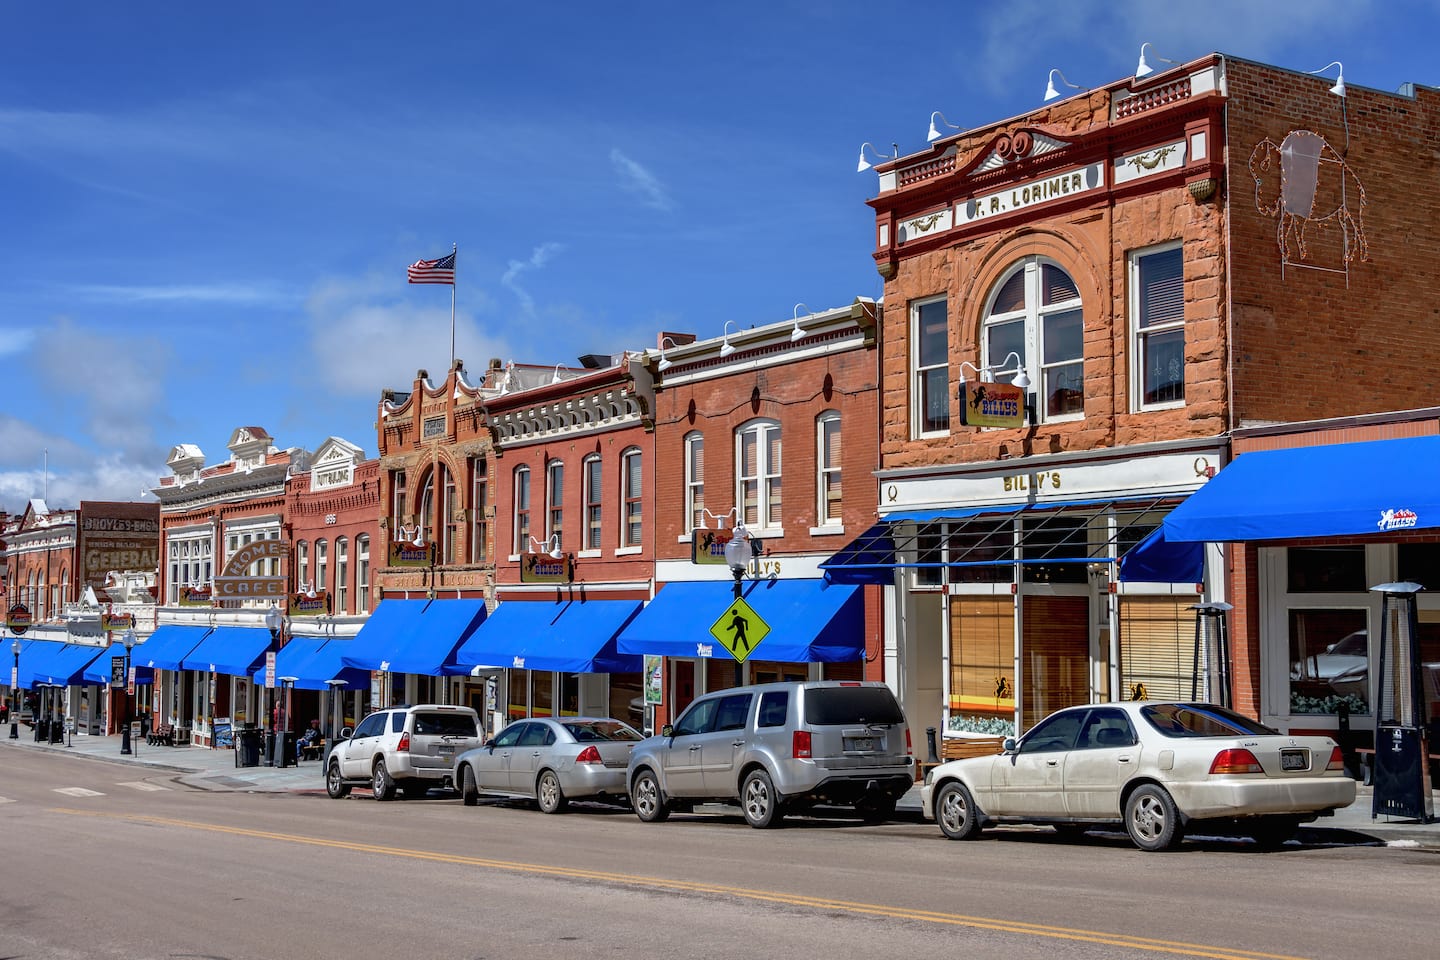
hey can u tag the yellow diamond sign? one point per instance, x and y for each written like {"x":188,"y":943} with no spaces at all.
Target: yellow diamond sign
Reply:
{"x":739,"y":629}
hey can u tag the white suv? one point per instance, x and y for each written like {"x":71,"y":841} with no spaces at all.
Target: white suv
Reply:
{"x":410,"y":748}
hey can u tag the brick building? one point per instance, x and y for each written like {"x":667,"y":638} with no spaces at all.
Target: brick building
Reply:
{"x":726,"y":409}
{"x":1145,"y":269}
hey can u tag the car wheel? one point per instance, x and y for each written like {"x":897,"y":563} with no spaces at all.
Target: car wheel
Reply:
{"x":380,"y":783}
{"x":646,"y":799}
{"x":549,"y":795}
{"x":1270,"y":833}
{"x":469,"y":793}
{"x":876,"y":809}
{"x":335,"y":786}
{"x":759,"y":801}
{"x":956,"y":812}
{"x":1152,"y":819}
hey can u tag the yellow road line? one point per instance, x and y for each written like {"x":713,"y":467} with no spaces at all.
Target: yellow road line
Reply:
{"x":1172,"y":947}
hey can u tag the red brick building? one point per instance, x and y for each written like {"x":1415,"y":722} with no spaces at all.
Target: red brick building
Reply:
{"x":1157,"y":265}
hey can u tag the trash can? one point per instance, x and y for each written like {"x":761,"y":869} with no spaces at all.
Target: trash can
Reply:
{"x":284,"y":749}
{"x":247,"y":747}
{"x":57,"y":730}
{"x":269,"y":756}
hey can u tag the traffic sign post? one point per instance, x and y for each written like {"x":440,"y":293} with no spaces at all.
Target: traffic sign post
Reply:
{"x":739,"y":629}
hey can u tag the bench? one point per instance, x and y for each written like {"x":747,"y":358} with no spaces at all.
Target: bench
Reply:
{"x":161,"y":736}
{"x":963,"y":748}
{"x":312,"y":751}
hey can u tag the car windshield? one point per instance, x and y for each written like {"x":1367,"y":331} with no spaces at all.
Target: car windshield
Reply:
{"x":590,"y":731}
{"x":444,"y":725}
{"x":1200,"y":720}
{"x":833,"y":705}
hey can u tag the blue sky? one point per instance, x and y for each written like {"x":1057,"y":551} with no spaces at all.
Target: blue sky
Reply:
{"x":208,"y":209}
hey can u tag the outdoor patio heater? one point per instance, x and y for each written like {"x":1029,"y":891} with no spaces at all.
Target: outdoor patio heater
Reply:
{"x":1402,"y":770}
{"x":1212,"y":653}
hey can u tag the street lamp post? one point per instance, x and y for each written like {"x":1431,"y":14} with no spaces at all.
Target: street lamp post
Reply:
{"x":738,"y":553}
{"x":15,"y":692}
{"x":128,"y":638}
{"x":274,"y":621}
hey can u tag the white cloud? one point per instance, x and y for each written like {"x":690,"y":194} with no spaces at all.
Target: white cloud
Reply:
{"x":540,"y":256}
{"x":15,"y":340}
{"x":195,"y":293}
{"x":62,"y":472}
{"x":636,"y":179}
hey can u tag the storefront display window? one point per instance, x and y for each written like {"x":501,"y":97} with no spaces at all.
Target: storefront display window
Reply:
{"x":1326,"y":570}
{"x":1329,"y":661}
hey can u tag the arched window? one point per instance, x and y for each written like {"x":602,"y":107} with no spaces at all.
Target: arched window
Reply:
{"x":445,"y":519}
{"x":757,"y":460}
{"x":302,"y":564}
{"x":362,"y":573}
{"x":479,"y":510}
{"x":631,"y":489}
{"x":342,"y":575}
{"x":522,"y":509}
{"x":1036,"y":314}
{"x":594,"y":490}
{"x":425,"y":508}
{"x":555,"y":501}
{"x":322,"y":565}
{"x":694,"y":480}
{"x":827,"y":468}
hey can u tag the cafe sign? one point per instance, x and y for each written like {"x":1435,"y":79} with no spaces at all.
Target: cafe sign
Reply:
{"x":234,"y":584}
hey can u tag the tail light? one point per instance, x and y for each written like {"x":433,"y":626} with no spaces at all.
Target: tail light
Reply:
{"x":589,"y":755}
{"x":1337,"y":760}
{"x":849,"y":683}
{"x":909,"y":750}
{"x":404,"y":745}
{"x":1235,"y":760}
{"x":800,"y":745}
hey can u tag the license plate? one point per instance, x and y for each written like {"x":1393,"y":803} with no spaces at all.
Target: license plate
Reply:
{"x":1292,"y":760}
{"x":860,"y":743}
{"x":445,"y":750}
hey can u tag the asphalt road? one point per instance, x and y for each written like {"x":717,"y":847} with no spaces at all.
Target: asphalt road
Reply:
{"x":96,"y":863}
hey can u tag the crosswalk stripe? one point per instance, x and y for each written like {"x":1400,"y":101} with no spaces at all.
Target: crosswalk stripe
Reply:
{"x":78,"y":792}
{"x":141,"y":785}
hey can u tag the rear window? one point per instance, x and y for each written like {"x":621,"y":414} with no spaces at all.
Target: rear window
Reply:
{"x":834,"y":705}
{"x":444,"y":725}
{"x":601,"y":730}
{"x":1200,"y":720}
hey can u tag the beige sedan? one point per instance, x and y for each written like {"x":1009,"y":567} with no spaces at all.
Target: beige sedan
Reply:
{"x":1158,"y":768}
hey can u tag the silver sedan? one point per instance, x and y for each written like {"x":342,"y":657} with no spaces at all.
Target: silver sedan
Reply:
{"x":1156,"y":767}
{"x":551,"y":761}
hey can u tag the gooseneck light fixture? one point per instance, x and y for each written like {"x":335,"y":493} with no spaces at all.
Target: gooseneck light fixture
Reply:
{"x":796,"y":334}
{"x":880,"y":157}
{"x":665,"y":362}
{"x":1143,"y":69}
{"x":1022,"y":379}
{"x":934,"y":133}
{"x":550,"y":546}
{"x":1050,"y":92}
{"x":555,"y":377}
{"x":1339,"y":88}
{"x":726,"y":347}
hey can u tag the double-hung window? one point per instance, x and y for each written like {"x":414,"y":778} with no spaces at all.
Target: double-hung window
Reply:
{"x":827,"y":481}
{"x":694,"y":481}
{"x":342,"y":575}
{"x":594,"y":490}
{"x":757,"y":458}
{"x":930,"y":363}
{"x":631,"y":485}
{"x":522,"y":509}
{"x":362,"y":574}
{"x":554,"y":502}
{"x":1036,"y":323}
{"x":1157,"y":317}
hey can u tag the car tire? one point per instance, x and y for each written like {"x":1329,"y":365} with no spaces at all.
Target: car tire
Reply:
{"x":380,"y":783}
{"x":548,"y":795}
{"x":646,"y":799}
{"x":956,"y":813}
{"x":759,"y":802}
{"x":335,"y":785}
{"x":469,"y":793}
{"x":876,"y":809}
{"x":1271,"y":833}
{"x":1152,"y":819}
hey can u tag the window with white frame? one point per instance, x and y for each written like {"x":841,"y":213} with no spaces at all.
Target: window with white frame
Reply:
{"x":342,"y":575}
{"x":694,"y":480}
{"x":631,"y":486}
{"x":930,"y":363}
{"x":446,"y":520}
{"x":480,"y":510}
{"x":302,"y":564}
{"x":522,"y":509}
{"x":827,"y":468}
{"x":593,"y":475}
{"x":397,"y":502}
{"x":189,"y":561}
{"x":757,"y":458}
{"x":362,"y":573}
{"x":1036,"y":314}
{"x":1157,"y":318}
{"x":555,"y":502}
{"x":425,"y":509}
{"x":322,"y":565}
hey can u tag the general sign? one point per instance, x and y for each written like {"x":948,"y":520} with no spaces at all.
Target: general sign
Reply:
{"x":739,"y":629}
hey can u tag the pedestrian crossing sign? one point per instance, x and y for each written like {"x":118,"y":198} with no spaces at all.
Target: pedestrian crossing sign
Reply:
{"x":739,"y":629}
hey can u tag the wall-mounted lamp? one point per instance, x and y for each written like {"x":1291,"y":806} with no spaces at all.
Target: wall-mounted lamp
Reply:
{"x":796,"y":334}
{"x":1050,"y":92}
{"x":726,"y":347}
{"x":551,"y":546}
{"x":665,"y":362}
{"x":1339,"y":88}
{"x":1022,"y":379}
{"x":412,"y":534}
{"x":719,"y":518}
{"x":934,"y":133}
{"x":555,"y":377}
{"x":865,"y":164}
{"x":1143,"y":69}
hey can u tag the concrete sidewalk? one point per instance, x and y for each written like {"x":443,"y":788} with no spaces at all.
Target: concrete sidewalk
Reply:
{"x":207,"y":769}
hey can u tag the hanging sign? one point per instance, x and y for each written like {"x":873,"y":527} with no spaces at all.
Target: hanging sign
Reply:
{"x":708,"y":546}
{"x":654,"y":676}
{"x":17,"y":619}
{"x":403,"y":553}
{"x":117,"y":621}
{"x":195,"y":596}
{"x":543,"y":568}
{"x":234,"y":584}
{"x":305,"y":605}
{"x":984,"y":404}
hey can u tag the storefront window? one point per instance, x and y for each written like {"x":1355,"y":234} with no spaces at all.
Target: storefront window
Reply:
{"x":1329,"y":661}
{"x":542,"y":693}
{"x":1420,"y":563}
{"x":1326,"y":569}
{"x":1058,"y":538}
{"x":569,"y":694}
{"x":927,"y":550}
{"x":990,"y":543}
{"x":627,"y":698}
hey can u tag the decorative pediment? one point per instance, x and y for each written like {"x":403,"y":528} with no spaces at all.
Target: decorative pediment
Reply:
{"x":249,"y":445}
{"x":185,"y":459}
{"x":1012,"y":146}
{"x":333,"y":465}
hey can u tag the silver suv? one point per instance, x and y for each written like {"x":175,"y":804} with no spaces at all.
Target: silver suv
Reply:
{"x":776,"y":748}
{"x":409,"y":748}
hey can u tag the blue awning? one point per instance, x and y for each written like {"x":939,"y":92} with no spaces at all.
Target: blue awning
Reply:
{"x":230,"y":650}
{"x":576,"y":636}
{"x":167,"y":646}
{"x":55,"y":662}
{"x":314,"y":662}
{"x":1156,"y":560}
{"x":23,"y":678}
{"x":98,"y":672}
{"x":415,"y":636}
{"x":810,"y":621}
{"x":1335,"y":490}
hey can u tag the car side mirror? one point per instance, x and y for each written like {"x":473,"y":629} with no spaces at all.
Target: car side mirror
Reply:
{"x":346,"y":733}
{"x":490,"y":747}
{"x":667,"y":731}
{"x":1009,"y":745}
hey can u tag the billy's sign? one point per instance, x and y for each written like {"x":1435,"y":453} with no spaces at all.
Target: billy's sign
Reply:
{"x":992,"y":404}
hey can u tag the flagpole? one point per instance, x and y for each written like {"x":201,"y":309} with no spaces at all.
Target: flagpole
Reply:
{"x":454,"y":249}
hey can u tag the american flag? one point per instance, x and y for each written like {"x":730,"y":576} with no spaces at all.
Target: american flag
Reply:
{"x":433,"y":271}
